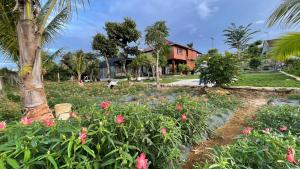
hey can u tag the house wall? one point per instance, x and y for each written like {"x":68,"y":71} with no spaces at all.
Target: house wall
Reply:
{"x":180,"y":56}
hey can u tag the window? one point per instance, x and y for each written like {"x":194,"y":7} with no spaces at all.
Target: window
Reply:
{"x":179,"y":51}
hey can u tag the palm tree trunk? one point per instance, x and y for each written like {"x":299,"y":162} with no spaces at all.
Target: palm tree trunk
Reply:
{"x":157,"y":70}
{"x":108,"y":68}
{"x":32,"y":87}
{"x":78,"y":76}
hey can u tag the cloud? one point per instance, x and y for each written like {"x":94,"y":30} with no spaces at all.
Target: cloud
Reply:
{"x":205,"y":8}
{"x":259,"y":22}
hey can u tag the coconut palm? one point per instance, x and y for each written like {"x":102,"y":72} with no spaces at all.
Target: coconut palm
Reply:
{"x":286,"y":14}
{"x":288,"y":45}
{"x":30,"y":22}
{"x":237,"y":37}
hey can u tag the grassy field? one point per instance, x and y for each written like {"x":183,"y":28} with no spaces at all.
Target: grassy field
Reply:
{"x":172,"y":78}
{"x":270,"y":79}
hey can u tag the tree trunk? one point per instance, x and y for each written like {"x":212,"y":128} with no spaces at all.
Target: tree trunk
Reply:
{"x":108,"y":68}
{"x":157,"y":70}
{"x":32,"y":87}
{"x":153,"y":71}
{"x":79,"y":77}
{"x":58,"y":78}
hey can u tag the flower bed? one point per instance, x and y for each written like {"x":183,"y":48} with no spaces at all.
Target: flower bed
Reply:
{"x":111,"y":135}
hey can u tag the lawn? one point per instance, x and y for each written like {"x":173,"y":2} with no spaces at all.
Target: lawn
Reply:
{"x":174,"y":78}
{"x":270,"y":79}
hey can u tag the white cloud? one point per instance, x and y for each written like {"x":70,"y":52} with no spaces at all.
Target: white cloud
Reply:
{"x":205,"y":8}
{"x":259,"y":22}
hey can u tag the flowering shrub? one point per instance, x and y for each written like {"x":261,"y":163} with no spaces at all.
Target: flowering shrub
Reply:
{"x":258,"y":150}
{"x":278,"y":118}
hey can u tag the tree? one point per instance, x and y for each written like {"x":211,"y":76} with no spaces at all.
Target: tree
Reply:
{"x":190,"y":45}
{"x":125,"y":35}
{"x":156,"y":39}
{"x":254,"y":63}
{"x":33,"y":26}
{"x":286,"y":46}
{"x":254,"y":49}
{"x":143,"y":60}
{"x":76,"y":63}
{"x":106,"y":47}
{"x":48,"y":63}
{"x":93,"y":65}
{"x":286,"y":14}
{"x":238,"y":37}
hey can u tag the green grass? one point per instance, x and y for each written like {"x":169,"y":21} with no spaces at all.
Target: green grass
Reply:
{"x":173,"y":78}
{"x":270,"y":79}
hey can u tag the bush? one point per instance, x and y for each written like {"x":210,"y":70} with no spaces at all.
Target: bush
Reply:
{"x":183,"y":68}
{"x":293,"y":66}
{"x":255,"y":63}
{"x":221,"y":69}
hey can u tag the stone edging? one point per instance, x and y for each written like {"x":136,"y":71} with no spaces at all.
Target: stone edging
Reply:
{"x":287,"y":74}
{"x":269,"y":89}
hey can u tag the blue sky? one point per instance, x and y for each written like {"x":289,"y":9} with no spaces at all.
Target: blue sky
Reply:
{"x":188,"y":20}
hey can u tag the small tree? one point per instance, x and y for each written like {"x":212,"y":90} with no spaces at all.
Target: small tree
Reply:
{"x":221,"y":69}
{"x":106,"y":47}
{"x":183,"y":68}
{"x":156,"y":39}
{"x":190,"y":45}
{"x":255,"y":63}
{"x":125,"y":35}
{"x":76,"y":63}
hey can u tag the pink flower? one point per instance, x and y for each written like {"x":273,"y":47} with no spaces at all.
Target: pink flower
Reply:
{"x":2,"y":125}
{"x":283,"y":128}
{"x":141,"y":162}
{"x":49,"y":123}
{"x":266,"y":130}
{"x":105,"y":105}
{"x":26,"y":121}
{"x":120,"y":119}
{"x":83,"y":135}
{"x":72,"y":114}
{"x":205,"y":99}
{"x":290,"y":156}
{"x":179,"y":97}
{"x":179,"y":107}
{"x":247,"y":130}
{"x":164,"y":131}
{"x":184,"y":117}
{"x":254,"y":117}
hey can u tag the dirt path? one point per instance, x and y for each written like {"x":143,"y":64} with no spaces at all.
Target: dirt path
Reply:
{"x":224,"y":135}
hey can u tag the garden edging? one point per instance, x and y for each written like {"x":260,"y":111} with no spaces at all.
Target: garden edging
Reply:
{"x":293,"y":76}
{"x":267,"y":89}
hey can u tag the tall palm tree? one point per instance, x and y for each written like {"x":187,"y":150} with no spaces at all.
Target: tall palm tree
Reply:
{"x":237,"y":37}
{"x":287,"y":14}
{"x":31,"y":23}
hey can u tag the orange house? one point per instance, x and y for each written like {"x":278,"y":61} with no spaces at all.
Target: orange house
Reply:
{"x":179,"y":54}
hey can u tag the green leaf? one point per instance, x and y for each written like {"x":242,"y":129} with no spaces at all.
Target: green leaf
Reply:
{"x":70,"y":145}
{"x":52,"y":161}
{"x":27,"y":155}
{"x":2,"y":166}
{"x":108,"y":162}
{"x":13,"y":163}
{"x":88,"y":150}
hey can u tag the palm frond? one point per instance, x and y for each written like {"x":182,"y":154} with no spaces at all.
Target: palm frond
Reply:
{"x":287,"y":46}
{"x":287,"y":14}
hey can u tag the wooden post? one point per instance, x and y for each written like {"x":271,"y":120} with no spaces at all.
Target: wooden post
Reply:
{"x":1,"y":86}
{"x":173,"y":66}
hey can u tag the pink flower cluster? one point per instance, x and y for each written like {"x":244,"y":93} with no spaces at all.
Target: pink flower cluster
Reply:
{"x":247,"y":130}
{"x":83,"y":135}
{"x":179,"y":107}
{"x":290,"y":156}
{"x":141,"y":162}
{"x":119,"y":119}
{"x":2,"y":125}
{"x":49,"y":123}
{"x":26,"y":121}
{"x":105,"y":105}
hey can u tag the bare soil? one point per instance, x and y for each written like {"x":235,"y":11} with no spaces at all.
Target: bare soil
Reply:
{"x":252,"y":101}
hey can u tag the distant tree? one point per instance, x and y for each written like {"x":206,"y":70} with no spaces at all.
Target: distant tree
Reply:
{"x":254,"y":63}
{"x":156,"y":39}
{"x":237,"y":37}
{"x":106,"y":47}
{"x":76,"y":63}
{"x":142,"y":60}
{"x":48,"y":61}
{"x":190,"y":45}
{"x":125,"y":35}
{"x":254,"y":49}
{"x":93,"y":65}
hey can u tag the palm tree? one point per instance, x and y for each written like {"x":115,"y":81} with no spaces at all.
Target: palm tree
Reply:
{"x":237,"y":37}
{"x":287,"y":14}
{"x":28,"y":25}
{"x":80,"y":63}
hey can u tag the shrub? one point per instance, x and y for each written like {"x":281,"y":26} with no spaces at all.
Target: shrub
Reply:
{"x":293,"y":66}
{"x":183,"y":68}
{"x":255,"y":63}
{"x":257,"y":150}
{"x":221,"y":70}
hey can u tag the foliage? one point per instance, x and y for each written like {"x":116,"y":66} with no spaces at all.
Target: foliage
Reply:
{"x":183,"y":68}
{"x":286,"y":14}
{"x":238,"y":36}
{"x":254,"y":50}
{"x":293,"y":66}
{"x":255,"y":63}
{"x":278,"y":116}
{"x":190,"y":45}
{"x":268,"y":79}
{"x":221,"y":69}
{"x":287,"y":46}
{"x":76,"y":63}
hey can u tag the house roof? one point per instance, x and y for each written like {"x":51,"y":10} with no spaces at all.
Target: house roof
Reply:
{"x":170,"y":43}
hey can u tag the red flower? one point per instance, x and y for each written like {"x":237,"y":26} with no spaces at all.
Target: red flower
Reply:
{"x":247,"y":130}
{"x":179,"y":107}
{"x":2,"y":125}
{"x":26,"y":121}
{"x":254,"y":117}
{"x":266,"y":131}
{"x":72,"y":114}
{"x":290,"y":156}
{"x":83,"y":135}
{"x":120,"y":119}
{"x":49,"y":123}
{"x":105,"y":105}
{"x":283,"y":128}
{"x":183,"y":117}
{"x":141,"y":162}
{"x":164,"y":131}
